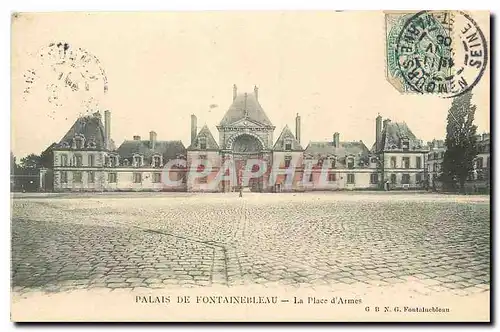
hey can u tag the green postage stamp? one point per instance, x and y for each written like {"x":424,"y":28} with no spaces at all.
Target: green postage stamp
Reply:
{"x":434,"y":52}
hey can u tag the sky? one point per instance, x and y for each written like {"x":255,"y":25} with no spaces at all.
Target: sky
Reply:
{"x":162,"y":67}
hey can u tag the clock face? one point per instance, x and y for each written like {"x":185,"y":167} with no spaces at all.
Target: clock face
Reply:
{"x":245,"y":123}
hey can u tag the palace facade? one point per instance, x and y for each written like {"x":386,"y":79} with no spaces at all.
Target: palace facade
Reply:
{"x":86,"y":158}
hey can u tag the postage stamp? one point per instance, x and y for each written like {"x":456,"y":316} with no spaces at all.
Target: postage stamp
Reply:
{"x":434,"y":52}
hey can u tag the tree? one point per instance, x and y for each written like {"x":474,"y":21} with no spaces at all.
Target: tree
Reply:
{"x":13,"y":164}
{"x":461,"y":143}
{"x":31,"y":162}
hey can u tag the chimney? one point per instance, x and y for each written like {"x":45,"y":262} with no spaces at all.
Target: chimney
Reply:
{"x":336,"y":140}
{"x":386,"y":121}
{"x":107,"y":128}
{"x":137,"y":138}
{"x":193,"y":128}
{"x":235,"y":91}
{"x":297,"y":127}
{"x":256,"y":92}
{"x":152,"y":139}
{"x":378,"y":133}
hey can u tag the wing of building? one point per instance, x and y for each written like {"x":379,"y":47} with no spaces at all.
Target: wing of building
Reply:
{"x":242,"y":154}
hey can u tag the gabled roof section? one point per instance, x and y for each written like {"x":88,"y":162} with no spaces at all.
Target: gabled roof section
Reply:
{"x":319,"y":150}
{"x":169,"y":150}
{"x":245,"y":106}
{"x":90,"y":127}
{"x":394,"y":133}
{"x":211,"y":143}
{"x":287,"y":135}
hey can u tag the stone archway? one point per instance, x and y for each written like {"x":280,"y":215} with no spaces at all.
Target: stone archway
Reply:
{"x":248,"y":140}
{"x":245,"y":146}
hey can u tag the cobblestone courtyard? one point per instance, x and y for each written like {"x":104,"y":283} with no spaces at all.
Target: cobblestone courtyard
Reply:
{"x":156,"y":240}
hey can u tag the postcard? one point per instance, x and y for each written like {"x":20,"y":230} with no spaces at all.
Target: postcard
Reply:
{"x":244,"y":166}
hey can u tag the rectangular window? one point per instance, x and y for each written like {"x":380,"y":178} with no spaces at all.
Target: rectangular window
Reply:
{"x":479,"y":162}
{"x":288,"y":146}
{"x":91,"y":159}
{"x":203,"y":179}
{"x":393,"y":162}
{"x":137,"y":177}
{"x":406,"y":162}
{"x":418,"y":162}
{"x":393,"y":178}
{"x":406,"y":144}
{"x":334,"y":163}
{"x":156,"y":161}
{"x":405,"y":179}
{"x":78,"y":160}
{"x":350,"y":163}
{"x":434,"y":167}
{"x":374,"y":178}
{"x":64,"y":160}
{"x":311,"y":178}
{"x":350,"y":178}
{"x":112,"y":177}
{"x":64,"y":177}
{"x":156,"y":177}
{"x":332,"y":177}
{"x":418,"y":178}
{"x":288,"y":159}
{"x":91,"y":177}
{"x":137,"y":161}
{"x":77,"y":177}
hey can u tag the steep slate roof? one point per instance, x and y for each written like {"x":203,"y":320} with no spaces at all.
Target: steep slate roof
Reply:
{"x":90,"y":126}
{"x":168,"y":149}
{"x":322,"y":149}
{"x":393,"y":132}
{"x":251,"y":105}
{"x":211,"y":142}
{"x":287,"y":133}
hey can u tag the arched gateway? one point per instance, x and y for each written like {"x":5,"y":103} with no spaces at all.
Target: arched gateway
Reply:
{"x":245,"y":133}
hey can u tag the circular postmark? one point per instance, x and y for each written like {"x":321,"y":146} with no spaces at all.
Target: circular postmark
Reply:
{"x":441,"y":52}
{"x":66,"y":74}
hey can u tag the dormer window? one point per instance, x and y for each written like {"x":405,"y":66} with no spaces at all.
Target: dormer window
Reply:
{"x":333,"y":162}
{"x":107,"y":161}
{"x":114,"y":161}
{"x":91,"y":144}
{"x":350,"y":162}
{"x":126,"y":162}
{"x":405,"y":144}
{"x":137,"y":161}
{"x":288,"y":145}
{"x":156,"y":161}
{"x":78,"y":142}
{"x":203,"y":143}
